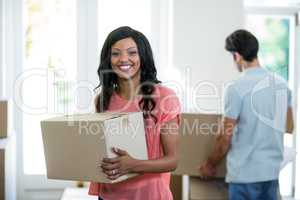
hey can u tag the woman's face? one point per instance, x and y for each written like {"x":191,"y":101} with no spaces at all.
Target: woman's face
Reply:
{"x":125,"y":59}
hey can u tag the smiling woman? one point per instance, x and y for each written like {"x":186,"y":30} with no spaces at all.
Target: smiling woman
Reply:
{"x":128,"y":83}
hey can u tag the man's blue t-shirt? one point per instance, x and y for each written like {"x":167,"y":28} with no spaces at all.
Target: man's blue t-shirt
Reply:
{"x":258,"y":100}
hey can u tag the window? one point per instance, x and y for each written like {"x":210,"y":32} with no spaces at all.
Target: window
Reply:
{"x":273,"y":34}
{"x":49,"y":71}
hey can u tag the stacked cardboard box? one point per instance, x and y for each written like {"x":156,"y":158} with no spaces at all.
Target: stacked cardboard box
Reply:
{"x":3,"y":119}
{"x":3,"y":135}
{"x":207,"y":190}
{"x":195,"y":188}
{"x":8,"y":168}
{"x":2,"y":174}
{"x":75,"y":145}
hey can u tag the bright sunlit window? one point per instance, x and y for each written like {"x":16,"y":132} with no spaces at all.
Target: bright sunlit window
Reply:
{"x":49,"y":71}
{"x":273,"y":33}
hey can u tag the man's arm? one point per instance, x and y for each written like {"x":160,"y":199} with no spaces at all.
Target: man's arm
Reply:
{"x":232,"y":108}
{"x":223,"y":142}
{"x":289,"y":121}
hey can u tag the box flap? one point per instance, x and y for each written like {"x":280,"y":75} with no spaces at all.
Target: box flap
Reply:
{"x":88,"y":117}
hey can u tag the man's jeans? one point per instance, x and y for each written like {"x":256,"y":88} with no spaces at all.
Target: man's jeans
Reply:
{"x":254,"y":191}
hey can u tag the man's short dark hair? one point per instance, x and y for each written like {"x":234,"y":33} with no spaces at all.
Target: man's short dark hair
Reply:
{"x":244,"y":43}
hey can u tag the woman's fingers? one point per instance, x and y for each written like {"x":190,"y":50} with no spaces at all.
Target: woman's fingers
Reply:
{"x":113,"y":177}
{"x":111,"y":160}
{"x":111,"y":172}
{"x":114,"y":166}
{"x":117,"y":175}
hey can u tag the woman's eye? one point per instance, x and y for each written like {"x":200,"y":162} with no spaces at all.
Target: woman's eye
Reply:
{"x":114,"y":53}
{"x":132,"y":53}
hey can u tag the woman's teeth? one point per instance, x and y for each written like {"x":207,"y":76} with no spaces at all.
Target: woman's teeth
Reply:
{"x":125,"y":67}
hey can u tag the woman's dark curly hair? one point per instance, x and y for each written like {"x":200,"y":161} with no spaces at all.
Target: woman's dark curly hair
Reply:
{"x":108,"y":79}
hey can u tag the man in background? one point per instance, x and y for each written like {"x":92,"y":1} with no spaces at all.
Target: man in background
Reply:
{"x":257,"y":113}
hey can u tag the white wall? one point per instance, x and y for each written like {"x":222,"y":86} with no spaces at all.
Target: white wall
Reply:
{"x":1,"y":46}
{"x":200,"y":29}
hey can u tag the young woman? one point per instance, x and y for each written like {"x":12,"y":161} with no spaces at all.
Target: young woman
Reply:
{"x":128,"y":83}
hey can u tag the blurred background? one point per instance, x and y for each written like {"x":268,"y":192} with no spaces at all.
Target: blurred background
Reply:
{"x":49,"y":54}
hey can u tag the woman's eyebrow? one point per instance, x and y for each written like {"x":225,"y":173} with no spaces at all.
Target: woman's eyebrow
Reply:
{"x":117,"y":49}
{"x":132,"y":48}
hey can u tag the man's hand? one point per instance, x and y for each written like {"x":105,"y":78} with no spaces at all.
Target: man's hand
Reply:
{"x":207,"y":170}
{"x":222,"y":146}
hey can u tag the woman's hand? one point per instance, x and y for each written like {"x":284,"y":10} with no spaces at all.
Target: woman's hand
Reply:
{"x":116,"y":167}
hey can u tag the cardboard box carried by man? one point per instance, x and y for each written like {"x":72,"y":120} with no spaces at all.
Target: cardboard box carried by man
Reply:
{"x":198,"y":134}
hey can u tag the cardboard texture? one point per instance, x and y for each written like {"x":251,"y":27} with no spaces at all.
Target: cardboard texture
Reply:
{"x":74,"y":146}
{"x":2,"y":174}
{"x":3,"y":119}
{"x":207,"y":190}
{"x":197,"y":138}
{"x":176,"y":187}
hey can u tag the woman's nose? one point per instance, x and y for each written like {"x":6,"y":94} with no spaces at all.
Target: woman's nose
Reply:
{"x":124,"y":57}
